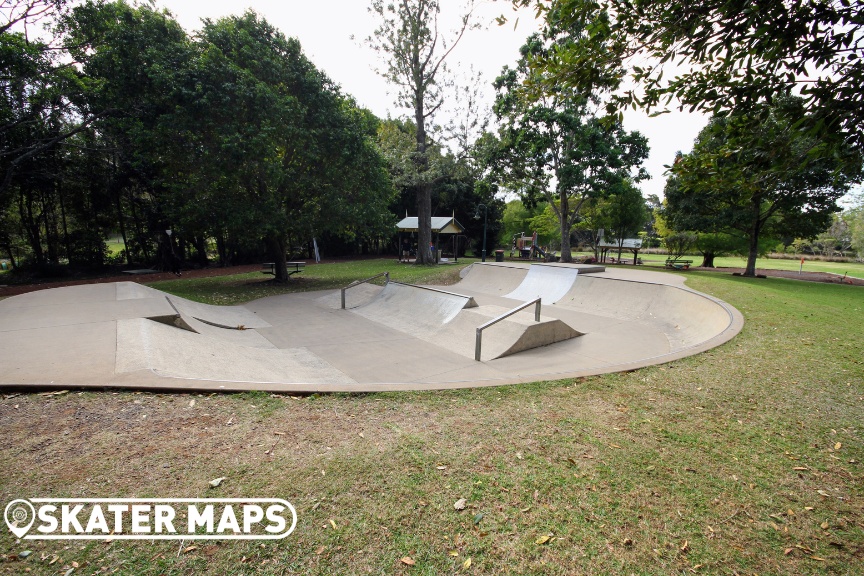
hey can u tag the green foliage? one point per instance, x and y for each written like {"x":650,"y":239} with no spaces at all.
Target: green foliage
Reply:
{"x":232,"y":134}
{"x":414,"y":56}
{"x":855,"y":219}
{"x":760,"y":176}
{"x":553,"y":148}
{"x":717,"y":55}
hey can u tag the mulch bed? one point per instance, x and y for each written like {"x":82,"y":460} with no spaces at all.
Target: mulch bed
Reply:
{"x":792,"y":275}
{"x":120,"y":277}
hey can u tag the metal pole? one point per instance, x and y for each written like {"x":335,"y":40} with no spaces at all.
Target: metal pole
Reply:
{"x":485,"y":214}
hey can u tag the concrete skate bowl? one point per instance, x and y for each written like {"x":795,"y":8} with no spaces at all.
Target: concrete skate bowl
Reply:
{"x":396,"y":337}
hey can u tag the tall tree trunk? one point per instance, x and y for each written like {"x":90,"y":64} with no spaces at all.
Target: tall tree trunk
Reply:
{"x":276,"y":250}
{"x":707,"y":260}
{"x":424,"y":189}
{"x":753,"y":250}
{"x":564,"y":219}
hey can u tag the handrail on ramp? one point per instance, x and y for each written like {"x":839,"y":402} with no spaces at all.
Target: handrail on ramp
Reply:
{"x":358,"y":282}
{"x":479,"y":338}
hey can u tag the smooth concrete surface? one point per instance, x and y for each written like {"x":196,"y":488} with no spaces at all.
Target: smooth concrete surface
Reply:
{"x":549,"y":283}
{"x":105,"y":335}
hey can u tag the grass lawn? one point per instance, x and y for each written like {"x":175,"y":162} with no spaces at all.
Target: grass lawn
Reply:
{"x":855,"y":269}
{"x":742,"y":460}
{"x":244,"y":287}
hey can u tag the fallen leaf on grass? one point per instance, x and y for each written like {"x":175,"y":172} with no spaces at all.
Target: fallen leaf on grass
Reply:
{"x":333,"y":524}
{"x":460,"y":504}
{"x":407,"y":560}
{"x":477,"y":518}
{"x":685,"y":547}
{"x":466,"y":564}
{"x":824,"y":525}
{"x":523,"y":510}
{"x":217,"y":481}
{"x":192,"y":403}
{"x":320,"y":550}
{"x":454,"y":553}
{"x":543,"y":539}
{"x":800,"y":468}
{"x":837,"y":446}
{"x":189,"y":549}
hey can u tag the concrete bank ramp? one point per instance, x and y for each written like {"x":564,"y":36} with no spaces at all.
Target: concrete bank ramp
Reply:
{"x":514,"y":334}
{"x":548,"y":282}
{"x":356,"y":295}
{"x":450,"y":320}
{"x":491,"y":278}
{"x":231,"y":317}
{"x":414,"y":310}
{"x":688,"y":318}
{"x":145,"y":345}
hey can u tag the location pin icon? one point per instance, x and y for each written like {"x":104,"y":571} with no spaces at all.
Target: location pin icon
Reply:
{"x":19,"y":516}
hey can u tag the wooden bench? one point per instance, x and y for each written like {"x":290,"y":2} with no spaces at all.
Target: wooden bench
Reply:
{"x":678,"y":264}
{"x":293,"y":268}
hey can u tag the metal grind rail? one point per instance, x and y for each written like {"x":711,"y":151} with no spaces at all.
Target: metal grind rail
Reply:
{"x":358,"y":282}
{"x":479,"y":339}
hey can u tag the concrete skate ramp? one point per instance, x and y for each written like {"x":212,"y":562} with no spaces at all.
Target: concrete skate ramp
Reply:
{"x":414,"y":310}
{"x":98,"y":336}
{"x":145,"y":345}
{"x":549,"y":282}
{"x":357,"y":295}
{"x":514,"y":334}
{"x":491,"y":278}
{"x":232,"y":317}
{"x":246,"y":337}
{"x":688,"y":318}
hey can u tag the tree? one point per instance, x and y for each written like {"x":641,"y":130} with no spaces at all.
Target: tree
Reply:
{"x":291,"y":156}
{"x":408,"y":39}
{"x":760,"y":176}
{"x":855,"y":219}
{"x":554,"y":148}
{"x":723,"y":55}
{"x":624,"y":210}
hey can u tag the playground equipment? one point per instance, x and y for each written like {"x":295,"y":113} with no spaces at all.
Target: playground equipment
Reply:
{"x":528,"y":249}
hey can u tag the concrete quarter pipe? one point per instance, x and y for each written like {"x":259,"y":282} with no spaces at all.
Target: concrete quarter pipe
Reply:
{"x":392,"y":338}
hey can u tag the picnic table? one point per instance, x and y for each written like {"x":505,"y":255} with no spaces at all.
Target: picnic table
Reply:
{"x":678,"y":264}
{"x":293,"y":268}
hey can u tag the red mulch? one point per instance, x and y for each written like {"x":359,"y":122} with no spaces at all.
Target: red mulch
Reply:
{"x":792,"y":275}
{"x":120,"y":277}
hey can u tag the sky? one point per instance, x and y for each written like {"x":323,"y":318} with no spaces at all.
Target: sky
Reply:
{"x":332,"y":34}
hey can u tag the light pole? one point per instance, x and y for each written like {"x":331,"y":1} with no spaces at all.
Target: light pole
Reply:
{"x":477,"y":217}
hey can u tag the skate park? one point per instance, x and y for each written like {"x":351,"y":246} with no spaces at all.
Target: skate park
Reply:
{"x":390,"y":337}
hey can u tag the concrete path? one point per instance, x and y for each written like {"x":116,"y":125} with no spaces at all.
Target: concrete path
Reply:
{"x":127,"y":335}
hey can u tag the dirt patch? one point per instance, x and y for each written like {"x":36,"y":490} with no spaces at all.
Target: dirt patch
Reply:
{"x":792,"y":275}
{"x":120,"y":277}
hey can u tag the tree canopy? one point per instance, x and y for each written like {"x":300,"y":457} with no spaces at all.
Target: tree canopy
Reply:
{"x":760,"y":176}
{"x":716,"y":55}
{"x":134,"y":126}
{"x":414,"y":53}
{"x":554,"y":148}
